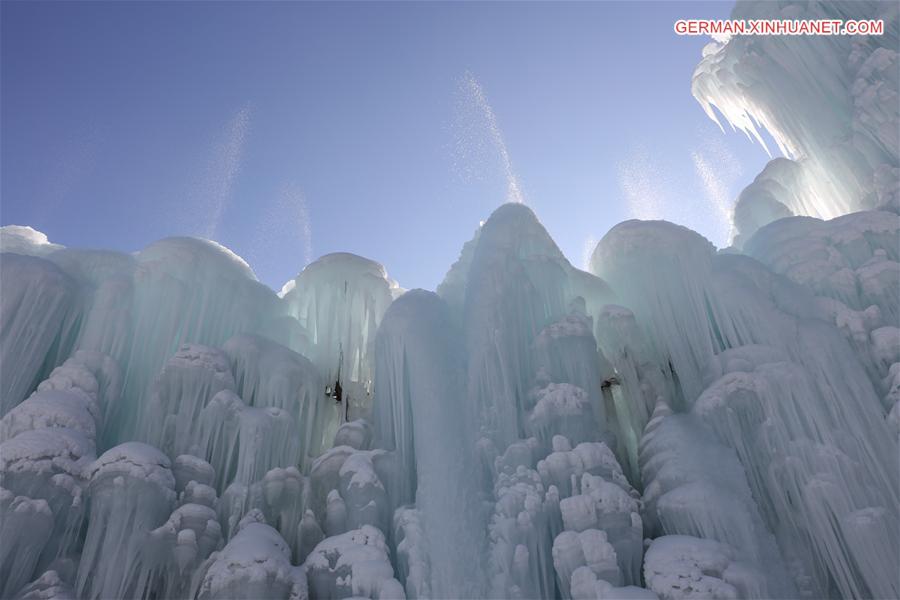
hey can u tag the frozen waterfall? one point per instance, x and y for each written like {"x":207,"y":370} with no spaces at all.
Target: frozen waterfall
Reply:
{"x":681,"y":422}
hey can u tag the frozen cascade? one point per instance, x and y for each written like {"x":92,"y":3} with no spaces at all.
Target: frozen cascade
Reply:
{"x":418,"y":414}
{"x":271,"y":375}
{"x":191,"y":533}
{"x":37,"y":322}
{"x":97,"y":376}
{"x":637,"y":384}
{"x":517,"y":284}
{"x":132,"y":492}
{"x":566,"y":352}
{"x":189,"y":290}
{"x":725,"y":302}
{"x":187,"y":382}
{"x":47,"y":442}
{"x":661,"y":272}
{"x":813,"y":482}
{"x":340,"y":299}
{"x":852,"y":265}
{"x":105,"y":283}
{"x":695,"y":486}
{"x":41,"y":470}
{"x":26,"y":526}
{"x":136,"y":309}
{"x":702,"y":423}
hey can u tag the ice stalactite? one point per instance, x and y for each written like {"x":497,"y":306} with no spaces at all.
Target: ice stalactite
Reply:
{"x":41,"y":475}
{"x":192,"y":532}
{"x":26,"y":526}
{"x":278,"y":498}
{"x":777,"y":83}
{"x":562,"y":409}
{"x":516,"y":285}
{"x":419,"y":414}
{"x":566,"y":351}
{"x":824,"y":493}
{"x":267,"y":439}
{"x":413,"y":564}
{"x":340,"y":299}
{"x":271,"y":375}
{"x":728,"y":306}
{"x":852,"y":265}
{"x":47,"y":442}
{"x":188,"y":381}
{"x":136,"y":309}
{"x":100,"y":378}
{"x":637,"y":384}
{"x":351,"y":500}
{"x":522,"y":527}
{"x":105,"y":282}
{"x":661,"y":271}
{"x":598,"y":497}
{"x":188,"y":290}
{"x":132,"y":492}
{"x":38,"y":320}
{"x":695,"y":486}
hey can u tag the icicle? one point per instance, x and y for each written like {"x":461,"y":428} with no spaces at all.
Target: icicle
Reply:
{"x":132,"y":493}
{"x":270,"y":375}
{"x":187,"y":383}
{"x":38,"y":312}
{"x":340,"y":299}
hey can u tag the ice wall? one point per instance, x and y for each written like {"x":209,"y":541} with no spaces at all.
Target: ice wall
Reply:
{"x":734,"y":409}
{"x":678,"y":423}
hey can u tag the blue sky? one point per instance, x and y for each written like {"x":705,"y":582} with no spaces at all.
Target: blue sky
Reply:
{"x":290,"y":130}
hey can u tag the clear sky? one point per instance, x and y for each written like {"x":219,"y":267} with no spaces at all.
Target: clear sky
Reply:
{"x":290,"y":130}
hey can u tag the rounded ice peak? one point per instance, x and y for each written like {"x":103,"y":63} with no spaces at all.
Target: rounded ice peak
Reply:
{"x":643,"y":238}
{"x":196,"y":253}
{"x":344,"y":266}
{"x":349,"y":261}
{"x":411,"y":310}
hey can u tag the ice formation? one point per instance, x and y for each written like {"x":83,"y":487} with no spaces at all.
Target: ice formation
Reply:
{"x":830,"y":103}
{"x":680,"y":422}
